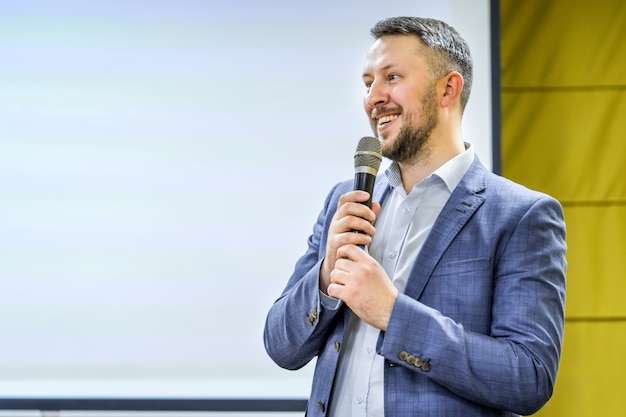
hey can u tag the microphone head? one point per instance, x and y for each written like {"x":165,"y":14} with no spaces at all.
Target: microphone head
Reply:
{"x":368,"y":155}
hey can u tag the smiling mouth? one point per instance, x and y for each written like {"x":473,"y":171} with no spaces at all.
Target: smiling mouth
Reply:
{"x":386,"y":119}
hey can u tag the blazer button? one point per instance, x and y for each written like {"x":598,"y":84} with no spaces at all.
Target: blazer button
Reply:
{"x":337,"y":345}
{"x":320,"y":405}
{"x":403,"y":355}
{"x":426,"y":366}
{"x":410,"y":359}
{"x":418,"y":362}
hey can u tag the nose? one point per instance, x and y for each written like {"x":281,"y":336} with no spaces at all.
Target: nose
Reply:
{"x":376,"y":95}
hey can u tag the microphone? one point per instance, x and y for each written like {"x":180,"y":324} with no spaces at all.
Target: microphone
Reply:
{"x":367,"y":159}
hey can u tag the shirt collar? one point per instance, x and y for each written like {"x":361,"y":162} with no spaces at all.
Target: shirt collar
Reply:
{"x":450,"y":173}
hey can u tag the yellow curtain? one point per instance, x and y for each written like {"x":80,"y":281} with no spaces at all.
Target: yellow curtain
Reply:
{"x":564,"y":133}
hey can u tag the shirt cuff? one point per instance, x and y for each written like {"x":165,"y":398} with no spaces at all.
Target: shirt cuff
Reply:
{"x":329,"y":302}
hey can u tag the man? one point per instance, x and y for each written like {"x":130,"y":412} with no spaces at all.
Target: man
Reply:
{"x":456,"y":306}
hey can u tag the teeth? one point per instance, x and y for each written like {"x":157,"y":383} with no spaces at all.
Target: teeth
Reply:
{"x":387,"y":119}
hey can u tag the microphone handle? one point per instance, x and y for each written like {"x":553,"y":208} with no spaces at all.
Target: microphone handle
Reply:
{"x":364,"y":181}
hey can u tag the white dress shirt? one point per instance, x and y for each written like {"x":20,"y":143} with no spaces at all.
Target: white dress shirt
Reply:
{"x":401,"y":229}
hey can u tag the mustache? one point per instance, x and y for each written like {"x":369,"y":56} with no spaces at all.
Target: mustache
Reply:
{"x":379,"y":110}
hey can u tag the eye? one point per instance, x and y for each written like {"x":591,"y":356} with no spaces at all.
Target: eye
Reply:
{"x":393,"y":77}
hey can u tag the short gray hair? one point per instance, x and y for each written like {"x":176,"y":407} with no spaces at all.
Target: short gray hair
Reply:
{"x":450,"y":51}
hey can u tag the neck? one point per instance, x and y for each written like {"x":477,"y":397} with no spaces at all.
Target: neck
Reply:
{"x":428,"y":161}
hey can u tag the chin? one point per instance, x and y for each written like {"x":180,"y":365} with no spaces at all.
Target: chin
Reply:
{"x":385,"y":136}
{"x":386,"y":146}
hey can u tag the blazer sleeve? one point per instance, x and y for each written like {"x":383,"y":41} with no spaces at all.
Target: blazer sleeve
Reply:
{"x":512,"y":364}
{"x":297,"y":324}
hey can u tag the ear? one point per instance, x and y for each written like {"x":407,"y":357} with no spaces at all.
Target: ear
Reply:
{"x":452,"y":84}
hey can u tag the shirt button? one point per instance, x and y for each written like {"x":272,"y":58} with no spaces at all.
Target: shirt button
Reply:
{"x":359,"y":400}
{"x":368,"y":349}
{"x":406,"y":210}
{"x":392,"y":255}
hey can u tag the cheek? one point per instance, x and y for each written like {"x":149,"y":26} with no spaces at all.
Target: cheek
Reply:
{"x":368,"y":111}
{"x":366,"y":107}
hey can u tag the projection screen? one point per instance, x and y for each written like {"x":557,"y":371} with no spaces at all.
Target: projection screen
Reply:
{"x":161,"y":166}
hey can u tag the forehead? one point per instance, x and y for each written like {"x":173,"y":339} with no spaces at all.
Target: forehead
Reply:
{"x":395,"y":50}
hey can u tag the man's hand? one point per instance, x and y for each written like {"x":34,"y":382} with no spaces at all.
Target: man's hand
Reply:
{"x":351,"y":215}
{"x":362,"y":283}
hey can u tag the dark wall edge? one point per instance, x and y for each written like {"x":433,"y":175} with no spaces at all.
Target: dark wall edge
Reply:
{"x":138,"y":404}
{"x":496,"y":82}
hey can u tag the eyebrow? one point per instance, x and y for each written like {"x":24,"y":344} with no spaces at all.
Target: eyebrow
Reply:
{"x":386,"y":67}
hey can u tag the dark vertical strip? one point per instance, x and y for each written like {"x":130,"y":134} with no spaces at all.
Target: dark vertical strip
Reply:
{"x":496,"y":81}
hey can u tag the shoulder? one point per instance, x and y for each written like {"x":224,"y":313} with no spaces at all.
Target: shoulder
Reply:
{"x":503,"y":204}
{"x":501,"y":191}
{"x":508,"y":194}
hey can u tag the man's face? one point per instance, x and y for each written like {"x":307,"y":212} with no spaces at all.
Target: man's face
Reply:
{"x":400,"y":99}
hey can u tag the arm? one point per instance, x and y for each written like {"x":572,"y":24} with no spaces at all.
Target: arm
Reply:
{"x":299,"y":322}
{"x":512,"y":363}
{"x":291,"y":340}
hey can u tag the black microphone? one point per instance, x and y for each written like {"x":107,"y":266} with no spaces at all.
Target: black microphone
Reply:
{"x":367,"y":159}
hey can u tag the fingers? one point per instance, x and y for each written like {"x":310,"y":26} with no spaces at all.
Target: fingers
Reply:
{"x":351,"y":215}
{"x":352,"y":204}
{"x":376,"y":208}
{"x":349,"y":253}
{"x":361,"y":282}
{"x":347,"y":263}
{"x":339,"y":279}
{"x":340,"y":275}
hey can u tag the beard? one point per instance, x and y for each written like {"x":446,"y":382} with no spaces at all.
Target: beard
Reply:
{"x":411,"y":142}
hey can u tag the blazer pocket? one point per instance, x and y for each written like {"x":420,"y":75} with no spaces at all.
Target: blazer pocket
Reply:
{"x":463,"y":267}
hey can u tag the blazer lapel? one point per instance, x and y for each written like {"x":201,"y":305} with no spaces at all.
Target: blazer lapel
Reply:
{"x":463,"y":202}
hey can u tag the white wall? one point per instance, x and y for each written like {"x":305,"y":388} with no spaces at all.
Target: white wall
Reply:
{"x":161,"y":166}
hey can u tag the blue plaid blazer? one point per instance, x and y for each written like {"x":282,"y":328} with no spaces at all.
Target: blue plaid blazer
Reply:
{"x":478,"y":329}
